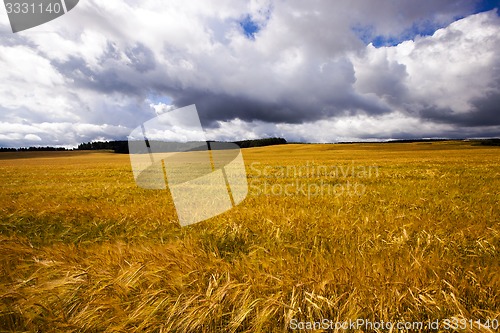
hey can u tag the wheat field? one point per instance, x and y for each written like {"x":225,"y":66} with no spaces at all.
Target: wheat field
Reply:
{"x":384,"y":232}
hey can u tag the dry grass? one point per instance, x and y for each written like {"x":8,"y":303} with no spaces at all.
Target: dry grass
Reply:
{"x":83,"y":249}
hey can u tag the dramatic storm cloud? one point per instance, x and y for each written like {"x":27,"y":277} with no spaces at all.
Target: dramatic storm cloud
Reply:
{"x":316,"y":71}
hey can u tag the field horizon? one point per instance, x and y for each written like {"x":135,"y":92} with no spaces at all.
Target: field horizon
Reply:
{"x":375,"y":231}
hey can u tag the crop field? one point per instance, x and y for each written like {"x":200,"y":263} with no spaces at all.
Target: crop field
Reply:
{"x":394,"y":232}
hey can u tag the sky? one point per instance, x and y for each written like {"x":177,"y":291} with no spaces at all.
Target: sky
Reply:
{"x":308,"y":71}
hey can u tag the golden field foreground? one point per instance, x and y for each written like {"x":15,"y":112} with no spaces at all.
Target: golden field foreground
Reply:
{"x":399,"y":232}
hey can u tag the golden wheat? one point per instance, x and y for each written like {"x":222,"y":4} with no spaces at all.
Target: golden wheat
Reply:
{"x":83,"y":249}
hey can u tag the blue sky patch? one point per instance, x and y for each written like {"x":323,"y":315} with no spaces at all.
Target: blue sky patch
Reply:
{"x":250,"y":27}
{"x":420,"y":29}
{"x":486,"y":5}
{"x":157,"y":99}
{"x":425,"y":29}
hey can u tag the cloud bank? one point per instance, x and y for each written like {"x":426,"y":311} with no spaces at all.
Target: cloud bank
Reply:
{"x":316,"y":71}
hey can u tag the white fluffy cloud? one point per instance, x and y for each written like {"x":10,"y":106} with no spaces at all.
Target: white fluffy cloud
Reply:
{"x":447,"y":70}
{"x":307,"y":73}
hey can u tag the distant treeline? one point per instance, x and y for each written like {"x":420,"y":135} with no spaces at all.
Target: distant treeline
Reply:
{"x":490,"y":142}
{"x":261,"y":142}
{"x":116,"y":146}
{"x":122,"y":146}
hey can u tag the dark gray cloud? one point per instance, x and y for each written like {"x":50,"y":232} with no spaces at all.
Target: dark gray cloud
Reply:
{"x":223,"y":107}
{"x":485,"y":112}
{"x":104,"y":81}
{"x":141,"y":58}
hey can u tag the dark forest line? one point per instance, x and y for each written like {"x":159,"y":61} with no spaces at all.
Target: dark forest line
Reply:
{"x":122,"y":146}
